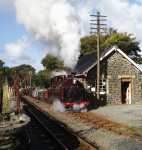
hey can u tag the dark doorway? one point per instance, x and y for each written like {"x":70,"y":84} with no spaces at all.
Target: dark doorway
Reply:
{"x":126,"y":92}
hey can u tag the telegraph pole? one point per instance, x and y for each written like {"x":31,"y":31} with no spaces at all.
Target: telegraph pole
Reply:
{"x":30,"y":83}
{"x":96,"y":28}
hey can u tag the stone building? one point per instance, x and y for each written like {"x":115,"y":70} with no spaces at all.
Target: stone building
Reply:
{"x":120,"y":77}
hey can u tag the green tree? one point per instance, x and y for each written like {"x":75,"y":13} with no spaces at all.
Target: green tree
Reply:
{"x":25,"y":73}
{"x":1,"y":71}
{"x":52,"y":63}
{"x":23,"y":70}
{"x":124,"y":41}
{"x":1,"y":87}
{"x":41,"y":79}
{"x":89,"y":43}
{"x":1,"y":63}
{"x":1,"y":66}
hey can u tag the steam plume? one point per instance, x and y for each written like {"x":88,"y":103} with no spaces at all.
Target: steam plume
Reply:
{"x":54,"y":22}
{"x":57,"y":105}
{"x":59,"y":73}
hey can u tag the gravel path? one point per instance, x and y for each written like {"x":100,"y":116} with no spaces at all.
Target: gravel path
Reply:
{"x":126,"y":114}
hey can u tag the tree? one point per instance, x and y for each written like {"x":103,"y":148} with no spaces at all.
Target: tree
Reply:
{"x":124,"y":41}
{"x":111,"y":31}
{"x":41,"y":79}
{"x":3,"y":71}
{"x":1,"y":91}
{"x":23,"y":70}
{"x":52,"y":63}
{"x":1,"y":67}
{"x":1,"y":63}
{"x":89,"y":43}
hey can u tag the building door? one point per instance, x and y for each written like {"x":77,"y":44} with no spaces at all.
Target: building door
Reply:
{"x":126,"y":92}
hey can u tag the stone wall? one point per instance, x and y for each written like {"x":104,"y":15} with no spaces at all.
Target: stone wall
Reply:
{"x":116,"y":67}
{"x":119,"y":67}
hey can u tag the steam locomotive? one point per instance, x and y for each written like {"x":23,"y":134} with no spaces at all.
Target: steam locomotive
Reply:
{"x":69,"y":91}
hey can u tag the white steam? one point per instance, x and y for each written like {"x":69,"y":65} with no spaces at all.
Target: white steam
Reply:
{"x":59,"y":73}
{"x":54,"y":22}
{"x":58,"y":106}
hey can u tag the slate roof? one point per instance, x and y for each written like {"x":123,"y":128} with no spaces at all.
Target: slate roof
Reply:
{"x":87,"y":61}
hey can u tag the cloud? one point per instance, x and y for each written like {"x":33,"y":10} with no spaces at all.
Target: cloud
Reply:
{"x":17,"y":52}
{"x":54,"y":23}
{"x":16,"y":49}
{"x":5,"y":3}
{"x":60,"y":24}
{"x":23,"y":51}
{"x":122,"y":15}
{"x":6,"y":6}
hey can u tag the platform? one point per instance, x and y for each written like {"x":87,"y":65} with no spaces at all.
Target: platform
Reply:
{"x":94,"y":128}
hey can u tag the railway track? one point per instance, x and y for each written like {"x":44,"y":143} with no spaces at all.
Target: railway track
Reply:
{"x":45,"y":133}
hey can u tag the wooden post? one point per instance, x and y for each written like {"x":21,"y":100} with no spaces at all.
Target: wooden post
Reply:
{"x":98,"y":55}
{"x":5,"y":98}
{"x":18,"y":110}
{"x":1,"y":95}
{"x":98,"y":27}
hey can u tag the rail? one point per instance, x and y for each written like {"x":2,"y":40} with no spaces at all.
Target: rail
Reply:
{"x":65,"y":140}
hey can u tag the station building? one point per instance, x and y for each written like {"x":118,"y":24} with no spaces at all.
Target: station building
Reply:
{"x":120,"y":76}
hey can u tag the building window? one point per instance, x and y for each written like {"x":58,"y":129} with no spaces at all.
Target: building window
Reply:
{"x":103,"y":86}
{"x":93,"y":86}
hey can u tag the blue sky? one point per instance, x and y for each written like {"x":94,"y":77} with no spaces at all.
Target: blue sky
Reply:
{"x":136,"y":1}
{"x":12,"y":33}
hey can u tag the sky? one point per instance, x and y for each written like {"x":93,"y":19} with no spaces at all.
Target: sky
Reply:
{"x":30,"y":29}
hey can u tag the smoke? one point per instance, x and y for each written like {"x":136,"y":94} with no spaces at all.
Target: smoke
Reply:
{"x":55,"y":23}
{"x":57,"y":105}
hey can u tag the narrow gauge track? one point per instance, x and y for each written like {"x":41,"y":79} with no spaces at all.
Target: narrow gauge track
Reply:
{"x":46,"y":133}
